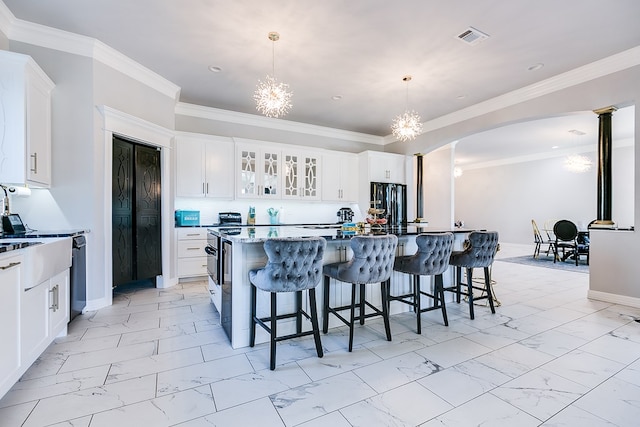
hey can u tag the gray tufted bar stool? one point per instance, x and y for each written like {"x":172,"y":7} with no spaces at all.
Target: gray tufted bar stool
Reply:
{"x":294,"y":265}
{"x":479,"y":252}
{"x":372,"y":262}
{"x":431,"y":259}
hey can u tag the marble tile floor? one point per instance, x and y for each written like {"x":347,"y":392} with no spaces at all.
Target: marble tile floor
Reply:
{"x":549,"y":356}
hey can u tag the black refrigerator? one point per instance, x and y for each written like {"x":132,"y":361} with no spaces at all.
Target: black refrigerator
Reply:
{"x":393,"y":199}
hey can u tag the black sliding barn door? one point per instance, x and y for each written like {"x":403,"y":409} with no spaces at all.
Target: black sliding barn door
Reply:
{"x":136,"y":240}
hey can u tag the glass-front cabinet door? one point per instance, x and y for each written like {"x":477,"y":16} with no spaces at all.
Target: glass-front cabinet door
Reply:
{"x":301,"y":176}
{"x":247,"y":181}
{"x":258,"y":172}
{"x":270,"y":171}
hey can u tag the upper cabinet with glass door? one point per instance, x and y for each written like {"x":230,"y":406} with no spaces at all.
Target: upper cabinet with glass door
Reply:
{"x":258,"y":171}
{"x":301,"y":175}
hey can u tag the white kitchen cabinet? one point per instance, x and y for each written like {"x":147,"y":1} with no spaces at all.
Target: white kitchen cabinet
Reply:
{"x":10,"y":278}
{"x":58,"y":303}
{"x":44,"y":314}
{"x":384,"y":167}
{"x":259,"y":171}
{"x":25,"y":128}
{"x":192,"y":259}
{"x":300,"y":174}
{"x":339,"y":177}
{"x":204,"y":166}
{"x":34,"y":322}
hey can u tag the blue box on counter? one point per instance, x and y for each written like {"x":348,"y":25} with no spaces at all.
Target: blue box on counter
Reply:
{"x":186,"y":218}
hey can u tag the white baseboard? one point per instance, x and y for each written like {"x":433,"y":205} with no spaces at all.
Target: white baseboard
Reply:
{"x":614,"y":298}
{"x":93,"y":305}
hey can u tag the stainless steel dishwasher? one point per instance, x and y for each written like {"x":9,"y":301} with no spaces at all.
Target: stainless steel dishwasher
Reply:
{"x":78,"y":280}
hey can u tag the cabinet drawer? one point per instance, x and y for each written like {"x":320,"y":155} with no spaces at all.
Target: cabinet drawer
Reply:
{"x":192,"y":267}
{"x":191,"y":248}
{"x":192,"y":233}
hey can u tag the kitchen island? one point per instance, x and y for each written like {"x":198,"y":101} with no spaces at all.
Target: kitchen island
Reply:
{"x":243,"y":250}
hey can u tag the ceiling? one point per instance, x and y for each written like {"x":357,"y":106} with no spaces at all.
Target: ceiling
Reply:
{"x":358,"y":50}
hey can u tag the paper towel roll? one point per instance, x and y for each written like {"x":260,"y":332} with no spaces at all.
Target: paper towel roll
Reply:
{"x":19,"y":191}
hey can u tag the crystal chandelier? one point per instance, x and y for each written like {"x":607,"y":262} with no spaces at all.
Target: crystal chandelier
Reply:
{"x":408,"y":125}
{"x":578,"y":164}
{"x":273,"y":99}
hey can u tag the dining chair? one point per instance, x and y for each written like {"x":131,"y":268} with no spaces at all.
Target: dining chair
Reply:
{"x":293,"y":265}
{"x":566,"y":233}
{"x":539,"y":240}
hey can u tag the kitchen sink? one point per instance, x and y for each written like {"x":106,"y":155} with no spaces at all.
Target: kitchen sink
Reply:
{"x":43,"y":258}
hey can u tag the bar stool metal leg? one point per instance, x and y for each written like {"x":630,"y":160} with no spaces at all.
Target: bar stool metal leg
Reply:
{"x":274,"y":318}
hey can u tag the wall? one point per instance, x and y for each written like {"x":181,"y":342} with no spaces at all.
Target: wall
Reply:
{"x":617,"y":88}
{"x":506,"y":198}
{"x":338,"y":140}
{"x":76,"y":198}
{"x":438,"y":187}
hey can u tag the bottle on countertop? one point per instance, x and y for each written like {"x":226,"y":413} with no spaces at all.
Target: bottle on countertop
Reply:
{"x":251,"y":217}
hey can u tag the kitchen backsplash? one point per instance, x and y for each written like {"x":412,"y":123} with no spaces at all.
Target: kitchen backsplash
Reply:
{"x":290,"y":212}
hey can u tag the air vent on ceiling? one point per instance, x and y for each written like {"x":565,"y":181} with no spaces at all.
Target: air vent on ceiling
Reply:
{"x":472,"y":36}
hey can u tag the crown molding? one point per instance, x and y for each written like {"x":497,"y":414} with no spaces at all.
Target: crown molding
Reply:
{"x":117,"y":121}
{"x":210,"y":113}
{"x":603,"y":67}
{"x":6,"y":19}
{"x":64,"y":41}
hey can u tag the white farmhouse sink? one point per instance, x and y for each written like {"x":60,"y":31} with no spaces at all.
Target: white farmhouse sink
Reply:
{"x":44,"y":260}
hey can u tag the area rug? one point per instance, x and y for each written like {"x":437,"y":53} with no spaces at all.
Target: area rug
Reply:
{"x":547,"y":261}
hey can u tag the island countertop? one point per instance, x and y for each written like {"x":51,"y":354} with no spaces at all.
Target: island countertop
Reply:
{"x":329,"y":232}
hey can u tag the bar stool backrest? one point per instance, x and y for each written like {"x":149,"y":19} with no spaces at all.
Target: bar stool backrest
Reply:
{"x":294,"y":264}
{"x":372,"y":260}
{"x":479,"y":251}
{"x":432,"y":256}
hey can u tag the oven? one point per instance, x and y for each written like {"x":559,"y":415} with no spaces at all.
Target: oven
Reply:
{"x":213,"y":268}
{"x":213,"y":243}
{"x":215,"y":258}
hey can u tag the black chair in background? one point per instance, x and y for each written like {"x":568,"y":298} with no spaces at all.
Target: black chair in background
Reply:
{"x":567,"y":241}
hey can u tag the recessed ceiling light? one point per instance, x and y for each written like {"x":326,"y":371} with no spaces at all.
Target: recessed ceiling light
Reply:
{"x":336,"y":97}
{"x":555,"y":146}
{"x":214,"y":69}
{"x":536,"y":67}
{"x":461,"y":96}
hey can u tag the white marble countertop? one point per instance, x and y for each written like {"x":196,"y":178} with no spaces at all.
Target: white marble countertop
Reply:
{"x":329,"y":232}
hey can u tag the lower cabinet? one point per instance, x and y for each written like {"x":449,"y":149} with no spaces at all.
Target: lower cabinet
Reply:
{"x":34,"y":322}
{"x":192,"y":259}
{"x":59,"y":303}
{"x":44,"y":314}
{"x":10,"y":272}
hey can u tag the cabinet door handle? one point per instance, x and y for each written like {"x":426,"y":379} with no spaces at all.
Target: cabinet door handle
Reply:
{"x":193,"y":249}
{"x":55,"y":295}
{"x":10,"y":265}
{"x":207,"y":188}
{"x":203,"y":188}
{"x":34,"y":169}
